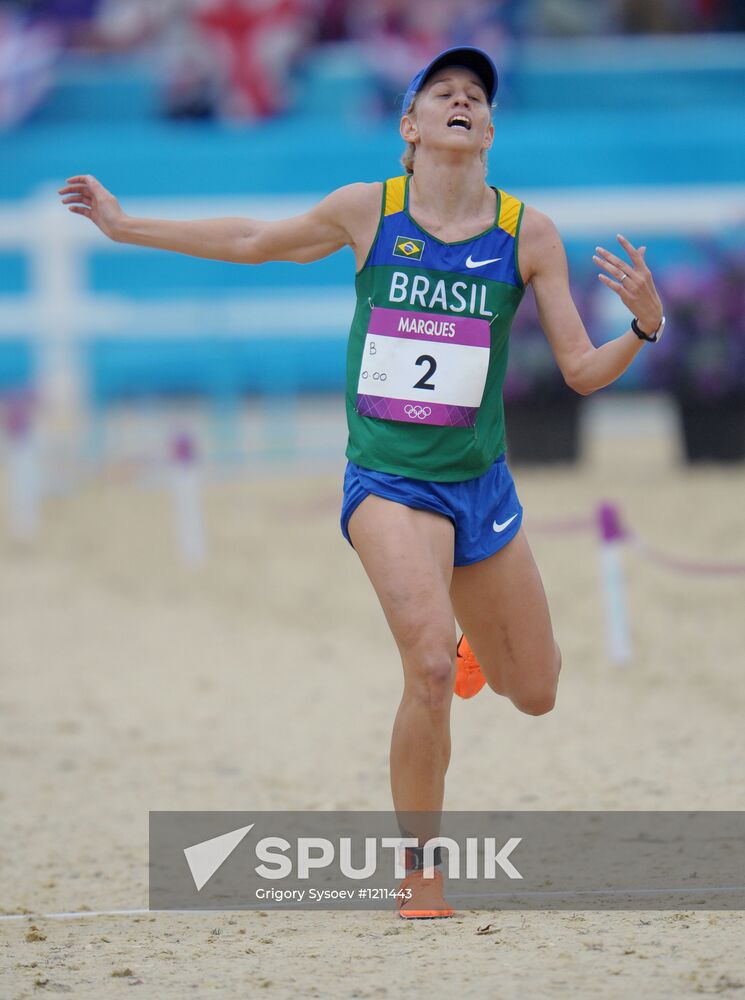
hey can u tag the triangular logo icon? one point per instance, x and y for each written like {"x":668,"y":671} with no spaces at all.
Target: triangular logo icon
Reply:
{"x":204,"y":859}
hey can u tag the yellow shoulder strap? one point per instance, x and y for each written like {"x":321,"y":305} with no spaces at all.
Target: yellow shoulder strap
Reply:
{"x":509,"y":212}
{"x":395,"y":189}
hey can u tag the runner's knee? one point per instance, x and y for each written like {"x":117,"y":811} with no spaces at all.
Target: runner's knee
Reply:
{"x":536,"y":702}
{"x":540,"y":698}
{"x":429,"y":677}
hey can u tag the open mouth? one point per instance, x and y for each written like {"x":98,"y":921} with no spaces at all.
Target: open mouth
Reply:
{"x":460,"y":121}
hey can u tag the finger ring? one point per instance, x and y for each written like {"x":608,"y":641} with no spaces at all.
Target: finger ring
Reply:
{"x":623,"y":277}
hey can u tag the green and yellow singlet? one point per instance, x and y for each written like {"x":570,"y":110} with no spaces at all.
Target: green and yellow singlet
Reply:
{"x":428,"y":345}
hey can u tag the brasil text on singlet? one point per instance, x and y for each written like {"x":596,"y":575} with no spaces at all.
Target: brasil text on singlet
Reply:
{"x":428,"y":345}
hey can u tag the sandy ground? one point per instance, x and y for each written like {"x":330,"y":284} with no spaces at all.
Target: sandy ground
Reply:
{"x":268,"y":680}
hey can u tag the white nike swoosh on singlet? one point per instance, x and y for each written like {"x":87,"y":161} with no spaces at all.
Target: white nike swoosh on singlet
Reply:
{"x":480,"y":263}
{"x":504,"y":524}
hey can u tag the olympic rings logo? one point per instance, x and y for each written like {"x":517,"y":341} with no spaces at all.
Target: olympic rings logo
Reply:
{"x":376,"y":375}
{"x":417,"y":412}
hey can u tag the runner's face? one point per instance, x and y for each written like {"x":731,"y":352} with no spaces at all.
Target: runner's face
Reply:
{"x":452,"y":112}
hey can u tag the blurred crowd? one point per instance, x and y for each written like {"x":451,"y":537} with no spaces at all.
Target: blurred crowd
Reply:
{"x":235,"y":58}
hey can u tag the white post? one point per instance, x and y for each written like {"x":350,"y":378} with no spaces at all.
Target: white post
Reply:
{"x":612,"y":536}
{"x":187,"y":501}
{"x":23,"y":470}
{"x":58,"y":280}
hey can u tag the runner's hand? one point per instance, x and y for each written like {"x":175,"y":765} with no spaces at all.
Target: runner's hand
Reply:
{"x":87,"y":196}
{"x":636,"y":290}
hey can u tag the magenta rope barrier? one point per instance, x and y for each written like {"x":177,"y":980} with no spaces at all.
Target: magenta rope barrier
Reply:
{"x":610,"y":528}
{"x":686,"y":565}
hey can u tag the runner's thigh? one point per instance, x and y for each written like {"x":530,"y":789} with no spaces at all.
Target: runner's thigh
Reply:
{"x":501,"y":606}
{"x":408,"y":556}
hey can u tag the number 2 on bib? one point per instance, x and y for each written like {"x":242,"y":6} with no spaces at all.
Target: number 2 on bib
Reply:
{"x":421,"y":360}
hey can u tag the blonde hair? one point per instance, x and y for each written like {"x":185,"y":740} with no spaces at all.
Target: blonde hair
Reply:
{"x":407,"y":158}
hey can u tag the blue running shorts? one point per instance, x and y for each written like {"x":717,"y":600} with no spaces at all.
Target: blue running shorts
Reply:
{"x":484,"y":511}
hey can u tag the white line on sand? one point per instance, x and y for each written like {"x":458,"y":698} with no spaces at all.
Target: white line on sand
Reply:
{"x":548,"y":894}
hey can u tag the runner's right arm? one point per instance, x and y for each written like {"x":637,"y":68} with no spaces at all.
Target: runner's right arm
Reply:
{"x":327,"y":227}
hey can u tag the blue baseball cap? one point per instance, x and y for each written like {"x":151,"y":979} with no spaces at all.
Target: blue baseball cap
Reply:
{"x":461,"y":55}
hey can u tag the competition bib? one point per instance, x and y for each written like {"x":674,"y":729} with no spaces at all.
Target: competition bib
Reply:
{"x":423,"y":368}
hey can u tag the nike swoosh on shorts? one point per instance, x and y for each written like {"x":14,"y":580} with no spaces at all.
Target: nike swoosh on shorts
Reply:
{"x":480,"y":263}
{"x":504,"y":524}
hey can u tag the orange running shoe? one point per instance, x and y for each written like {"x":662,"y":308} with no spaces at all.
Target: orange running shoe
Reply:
{"x":425,"y":900}
{"x":469,"y":678}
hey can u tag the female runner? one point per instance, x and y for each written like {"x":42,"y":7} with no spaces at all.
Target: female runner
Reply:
{"x":429,"y":503}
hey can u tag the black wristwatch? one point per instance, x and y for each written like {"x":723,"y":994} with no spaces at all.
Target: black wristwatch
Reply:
{"x":651,"y":338}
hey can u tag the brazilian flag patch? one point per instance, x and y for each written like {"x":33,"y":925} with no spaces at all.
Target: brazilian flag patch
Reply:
{"x":405,"y":246}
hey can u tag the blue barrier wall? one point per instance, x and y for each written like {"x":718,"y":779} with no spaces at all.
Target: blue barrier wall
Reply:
{"x":531,"y":149}
{"x":212,"y":365}
{"x":17,"y":363}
